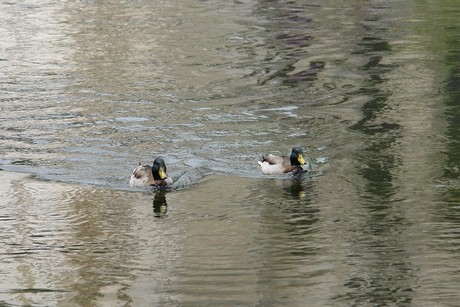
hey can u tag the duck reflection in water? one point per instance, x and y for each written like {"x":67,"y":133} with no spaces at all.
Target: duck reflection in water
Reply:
{"x":160,"y":206}
{"x":296,"y":186}
{"x":297,"y":189}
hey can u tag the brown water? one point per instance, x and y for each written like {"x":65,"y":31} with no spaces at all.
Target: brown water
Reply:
{"x":370,"y":90}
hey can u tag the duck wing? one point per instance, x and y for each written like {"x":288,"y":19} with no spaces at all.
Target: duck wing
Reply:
{"x":273,"y":159}
{"x":272,"y":164}
{"x":142,"y":176}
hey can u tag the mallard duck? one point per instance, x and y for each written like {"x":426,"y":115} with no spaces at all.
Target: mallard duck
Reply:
{"x":144,"y":175}
{"x":272,"y":165}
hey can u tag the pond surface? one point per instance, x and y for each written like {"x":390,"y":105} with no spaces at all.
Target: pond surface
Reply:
{"x":370,"y":90}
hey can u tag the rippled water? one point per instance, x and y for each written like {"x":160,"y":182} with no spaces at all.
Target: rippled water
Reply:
{"x":370,"y":90}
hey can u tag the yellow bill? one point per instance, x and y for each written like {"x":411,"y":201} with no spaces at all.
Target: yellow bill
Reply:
{"x":301,"y":159}
{"x":162,"y":173}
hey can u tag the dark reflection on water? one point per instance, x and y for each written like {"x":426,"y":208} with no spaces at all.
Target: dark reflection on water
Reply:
{"x":452,"y":89}
{"x":378,"y":157}
{"x":386,"y":276}
{"x":449,"y":213}
{"x":160,"y":206}
{"x":294,"y":207}
{"x":287,"y":36}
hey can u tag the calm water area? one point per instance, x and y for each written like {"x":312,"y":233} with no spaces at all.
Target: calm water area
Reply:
{"x":369,"y":89}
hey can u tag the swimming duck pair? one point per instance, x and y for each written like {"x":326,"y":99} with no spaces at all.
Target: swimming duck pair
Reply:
{"x":155,"y":175}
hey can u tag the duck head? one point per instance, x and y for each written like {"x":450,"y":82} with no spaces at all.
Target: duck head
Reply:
{"x":296,"y":157}
{"x":159,"y":169}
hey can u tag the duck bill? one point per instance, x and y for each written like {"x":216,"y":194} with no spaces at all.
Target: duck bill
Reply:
{"x":162,"y":173}
{"x":301,"y":160}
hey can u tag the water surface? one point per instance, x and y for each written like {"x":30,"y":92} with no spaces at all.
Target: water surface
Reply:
{"x":369,"y":90}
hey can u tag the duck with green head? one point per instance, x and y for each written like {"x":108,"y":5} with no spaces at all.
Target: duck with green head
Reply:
{"x":155,"y":175}
{"x":273,"y":165}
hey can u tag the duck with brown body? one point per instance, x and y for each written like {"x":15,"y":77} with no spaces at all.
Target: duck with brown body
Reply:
{"x":155,"y":175}
{"x":273,"y":164}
